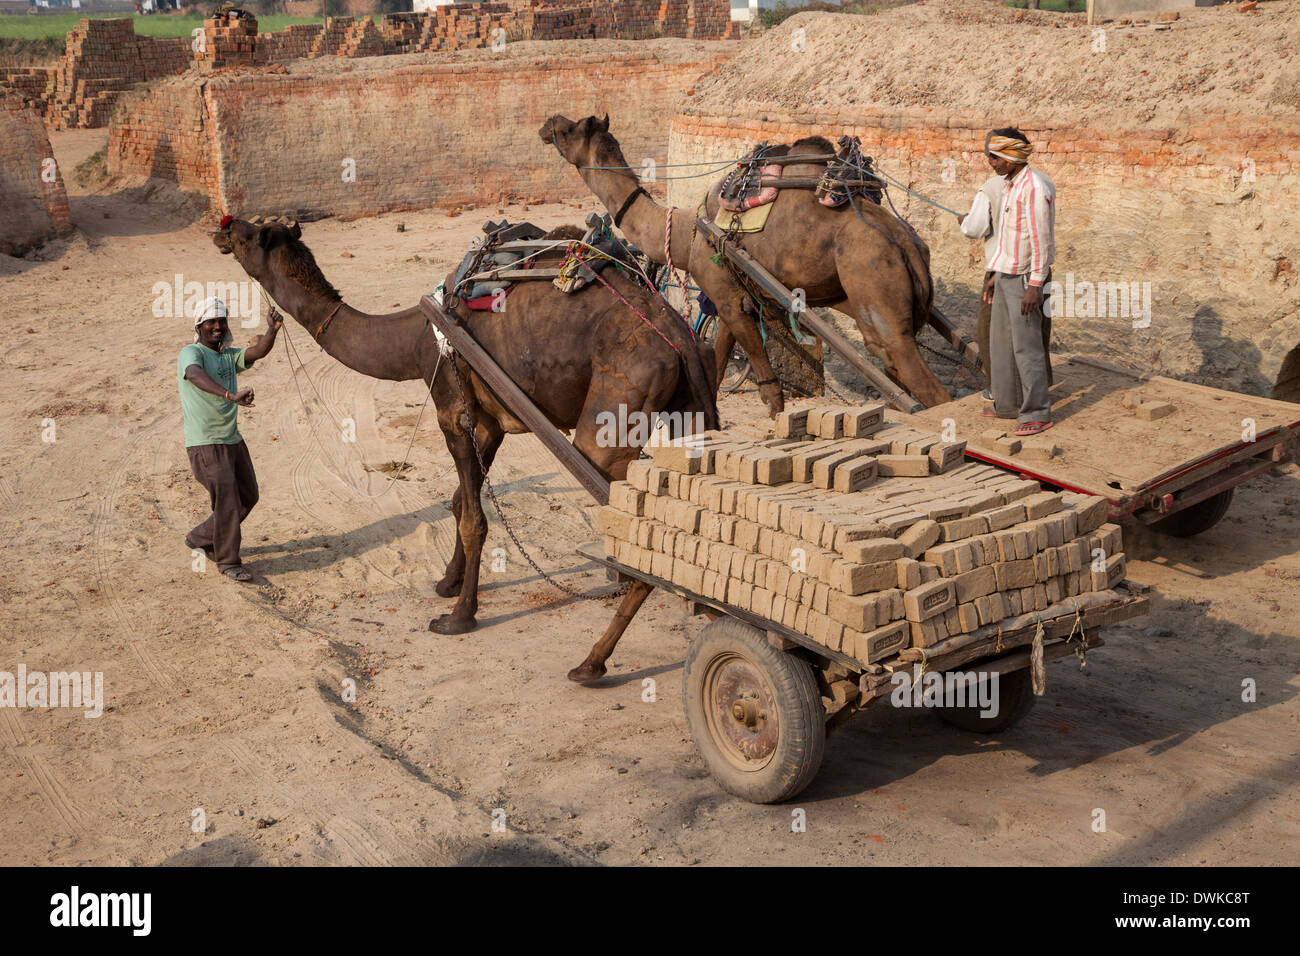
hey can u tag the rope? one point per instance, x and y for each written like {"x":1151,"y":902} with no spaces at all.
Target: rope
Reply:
{"x":639,"y":313}
{"x":668,"y":258}
{"x":291,"y":354}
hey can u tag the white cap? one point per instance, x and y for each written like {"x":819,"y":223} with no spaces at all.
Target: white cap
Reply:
{"x":213,"y":308}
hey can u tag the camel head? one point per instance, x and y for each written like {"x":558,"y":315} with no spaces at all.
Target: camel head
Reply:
{"x":584,"y":143}
{"x":274,"y":254}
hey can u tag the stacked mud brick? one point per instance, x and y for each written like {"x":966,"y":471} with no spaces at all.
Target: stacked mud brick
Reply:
{"x":227,"y":41}
{"x":362,"y":39}
{"x":295,"y":42}
{"x":864,"y":535}
{"x":401,"y":31}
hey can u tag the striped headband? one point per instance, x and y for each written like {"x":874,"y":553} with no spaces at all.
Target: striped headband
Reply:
{"x":1008,"y":147}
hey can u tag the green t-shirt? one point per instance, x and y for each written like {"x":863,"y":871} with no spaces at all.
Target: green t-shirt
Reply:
{"x":209,"y":419}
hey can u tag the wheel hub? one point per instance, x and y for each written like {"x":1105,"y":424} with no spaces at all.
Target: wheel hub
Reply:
{"x":742,"y":712}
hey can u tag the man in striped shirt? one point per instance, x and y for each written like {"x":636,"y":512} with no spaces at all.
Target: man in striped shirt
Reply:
{"x":1020,"y":262}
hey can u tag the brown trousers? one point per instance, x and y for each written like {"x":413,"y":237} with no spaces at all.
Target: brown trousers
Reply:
{"x":226,"y":471}
{"x":982,"y":333}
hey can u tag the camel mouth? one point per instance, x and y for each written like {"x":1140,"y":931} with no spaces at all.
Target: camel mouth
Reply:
{"x":224,"y":242}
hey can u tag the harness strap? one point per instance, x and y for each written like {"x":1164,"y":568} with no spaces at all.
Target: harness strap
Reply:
{"x":328,"y":319}
{"x":627,"y":204}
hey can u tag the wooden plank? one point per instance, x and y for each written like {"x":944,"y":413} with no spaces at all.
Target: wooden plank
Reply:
{"x":962,"y":342}
{"x":817,"y":322}
{"x":511,"y":275}
{"x":513,"y":397}
{"x":596,"y":552}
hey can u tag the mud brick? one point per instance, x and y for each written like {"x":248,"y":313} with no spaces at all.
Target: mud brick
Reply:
{"x":802,"y":462}
{"x":748,"y":567}
{"x":657,"y":508}
{"x":827,"y":423}
{"x":951,"y":620}
{"x":684,"y":515}
{"x":1041,"y":566}
{"x":944,"y":510}
{"x":959,"y":528}
{"x":801,"y":615}
{"x":897,"y":523}
{"x":823,"y":471}
{"x":1090,"y":511}
{"x":878,"y":644}
{"x":1005,"y":516}
{"x":746,"y":535}
{"x":990,"y":609}
{"x":946,"y":455}
{"x":1011,"y":602}
{"x":1011,"y":575}
{"x":1150,"y":411}
{"x":923,"y":603}
{"x":944,"y":557}
{"x":821,"y":596}
{"x":661,"y":566}
{"x":982,"y":502}
{"x":865,"y":421}
{"x":986,"y":548}
{"x":909,"y":574}
{"x":1057,"y":562}
{"x":1110,"y":538}
{"x":862,"y":578}
{"x":1039,"y":449}
{"x":919,"y":537}
{"x":669,"y":543}
{"x":861,"y":612}
{"x":638,"y":474}
{"x":731,"y":491}
{"x":709,"y":525}
{"x":808,"y":591}
{"x":613,"y":523}
{"x":1040,"y":597}
{"x":1042,"y":504}
{"x":740,"y":593}
{"x":1018,"y":490}
{"x":794,"y":587}
{"x":1055,"y":590}
{"x":871,"y":550}
{"x":1110,"y":577}
{"x":1076,"y":555}
{"x":792,"y":423}
{"x":778,"y":607}
{"x":657,"y":481}
{"x":657,"y":537}
{"x":968,"y":617}
{"x":1056,"y":526}
{"x":895,"y":465}
{"x":674,"y":484}
{"x":1069,"y":522}
{"x":761,"y":601}
{"x":642,"y":531}
{"x":855,"y":474}
{"x":1025,"y":542}
{"x":928,"y":633}
{"x":727,"y":528}
{"x":645,"y":560}
{"x":765,"y":467}
{"x":976,"y":583}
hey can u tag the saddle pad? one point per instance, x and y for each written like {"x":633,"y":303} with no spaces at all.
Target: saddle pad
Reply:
{"x":751,"y":220}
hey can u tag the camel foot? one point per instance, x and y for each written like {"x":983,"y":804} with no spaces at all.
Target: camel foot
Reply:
{"x":586,"y":672}
{"x":450,"y":624}
{"x":774,"y":398}
{"x":446,"y":588}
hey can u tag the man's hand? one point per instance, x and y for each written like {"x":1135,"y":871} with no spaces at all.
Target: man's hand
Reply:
{"x":243,"y":397}
{"x":1032,"y":300}
{"x":274,"y":319}
{"x":988,"y":291}
{"x":961,"y":218}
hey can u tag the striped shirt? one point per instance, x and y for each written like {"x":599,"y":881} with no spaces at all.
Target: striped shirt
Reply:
{"x":1025,"y":241}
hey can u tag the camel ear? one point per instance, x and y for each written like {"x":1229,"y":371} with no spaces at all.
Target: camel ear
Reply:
{"x":604,"y":124}
{"x":264,"y":237}
{"x":296,"y":231}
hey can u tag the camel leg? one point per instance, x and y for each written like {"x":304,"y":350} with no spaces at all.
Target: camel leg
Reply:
{"x":727,"y":296}
{"x":450,"y":584}
{"x":471,"y":524}
{"x":593,"y":668}
{"x":722,"y":346}
{"x":890,"y":323}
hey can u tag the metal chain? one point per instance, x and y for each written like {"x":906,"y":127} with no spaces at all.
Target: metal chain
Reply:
{"x":505,"y":522}
{"x":957,"y":359}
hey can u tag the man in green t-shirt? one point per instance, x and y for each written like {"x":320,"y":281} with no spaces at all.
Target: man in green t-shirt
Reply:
{"x":205,"y":375}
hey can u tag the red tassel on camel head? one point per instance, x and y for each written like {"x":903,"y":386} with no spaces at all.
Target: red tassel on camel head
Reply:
{"x":226,"y":220}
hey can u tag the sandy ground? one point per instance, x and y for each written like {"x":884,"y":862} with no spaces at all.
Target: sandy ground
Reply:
{"x":225,"y":698}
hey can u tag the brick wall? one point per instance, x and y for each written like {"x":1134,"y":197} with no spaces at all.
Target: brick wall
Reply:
{"x":104,"y":58}
{"x":1208,"y":219}
{"x":442,"y":130}
{"x":32,"y":195}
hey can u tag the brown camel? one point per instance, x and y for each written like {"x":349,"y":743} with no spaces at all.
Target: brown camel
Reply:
{"x":874,"y":270}
{"x":576,"y":356}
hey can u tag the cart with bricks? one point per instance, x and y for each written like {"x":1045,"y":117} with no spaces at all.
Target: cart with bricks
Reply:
{"x":840,"y":557}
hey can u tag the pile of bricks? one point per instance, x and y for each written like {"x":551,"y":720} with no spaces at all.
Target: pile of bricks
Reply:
{"x":295,"y":42}
{"x":863,"y":534}
{"x":362,"y":38}
{"x":228,"y":41}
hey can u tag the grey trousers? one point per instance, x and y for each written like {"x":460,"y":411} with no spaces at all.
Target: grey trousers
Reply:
{"x":1018,"y":366}
{"x":982,"y":332}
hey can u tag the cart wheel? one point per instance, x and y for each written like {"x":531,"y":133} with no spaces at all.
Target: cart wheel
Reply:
{"x":1015,"y":699}
{"x":1201,"y":516}
{"x":755,"y":712}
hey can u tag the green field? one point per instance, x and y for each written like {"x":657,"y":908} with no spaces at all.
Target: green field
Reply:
{"x":20,"y":26}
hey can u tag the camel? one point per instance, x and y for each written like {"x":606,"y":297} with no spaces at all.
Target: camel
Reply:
{"x":576,"y":356}
{"x":869,"y":266}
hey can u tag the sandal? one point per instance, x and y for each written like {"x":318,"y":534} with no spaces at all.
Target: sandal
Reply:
{"x":987,"y":412}
{"x":237,"y":573}
{"x":1032,"y":428}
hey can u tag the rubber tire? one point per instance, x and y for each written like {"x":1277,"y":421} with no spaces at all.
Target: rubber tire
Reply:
{"x":1201,"y":516}
{"x":802,"y":719}
{"x":1015,"y":700}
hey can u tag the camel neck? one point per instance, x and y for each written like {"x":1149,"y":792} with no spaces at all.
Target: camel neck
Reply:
{"x":380,"y":346}
{"x":643,"y":220}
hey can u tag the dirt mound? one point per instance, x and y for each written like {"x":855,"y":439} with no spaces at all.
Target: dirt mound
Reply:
{"x":955,"y":55}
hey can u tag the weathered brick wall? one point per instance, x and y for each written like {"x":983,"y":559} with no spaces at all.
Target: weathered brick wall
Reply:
{"x":32,"y":195}
{"x":443,"y":130}
{"x":1164,"y":205}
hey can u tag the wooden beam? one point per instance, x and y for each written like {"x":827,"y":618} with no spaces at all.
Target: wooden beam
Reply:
{"x":513,"y":397}
{"x":817,"y":322}
{"x":962,"y":342}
